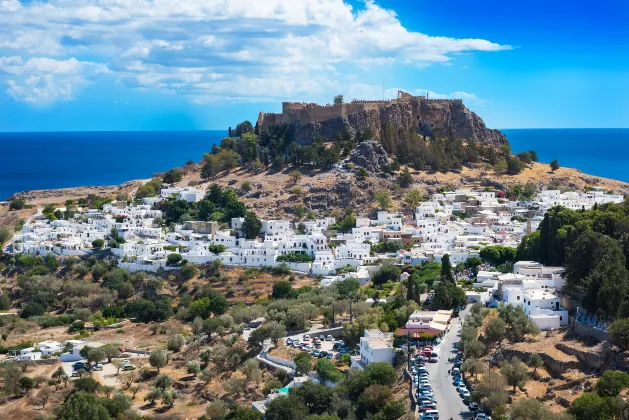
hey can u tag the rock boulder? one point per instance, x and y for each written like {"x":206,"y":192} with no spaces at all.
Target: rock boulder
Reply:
{"x":369,"y":155}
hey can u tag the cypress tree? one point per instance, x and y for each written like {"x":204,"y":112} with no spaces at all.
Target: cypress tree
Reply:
{"x":446,"y":269}
{"x":410,"y":288}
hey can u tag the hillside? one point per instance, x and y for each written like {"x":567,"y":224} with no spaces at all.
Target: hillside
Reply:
{"x":273,"y":194}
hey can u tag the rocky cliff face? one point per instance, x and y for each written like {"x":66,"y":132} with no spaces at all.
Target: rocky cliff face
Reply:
{"x":446,"y":119}
{"x":432,"y":118}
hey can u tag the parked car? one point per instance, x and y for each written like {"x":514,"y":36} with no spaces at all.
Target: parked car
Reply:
{"x":465,"y":394}
{"x":432,"y":406}
{"x":329,"y":356}
{"x":314,"y":353}
{"x":306,"y":337}
{"x":322,"y":337}
{"x":323,"y":354}
{"x":97,"y":366}
{"x":78,"y":365}
{"x":482,"y":416}
{"x":474,"y":407}
{"x":289,"y":341}
{"x":456,"y":371}
{"x":329,"y":338}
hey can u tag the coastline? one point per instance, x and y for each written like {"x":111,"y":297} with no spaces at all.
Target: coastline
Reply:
{"x":316,"y":181}
{"x":60,"y":195}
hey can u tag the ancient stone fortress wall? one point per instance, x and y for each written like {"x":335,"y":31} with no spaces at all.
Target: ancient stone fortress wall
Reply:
{"x":304,"y":113}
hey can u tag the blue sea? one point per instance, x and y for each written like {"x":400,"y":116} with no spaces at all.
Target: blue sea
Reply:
{"x":594,"y":151}
{"x":34,"y":161}
{"x":30,"y":161}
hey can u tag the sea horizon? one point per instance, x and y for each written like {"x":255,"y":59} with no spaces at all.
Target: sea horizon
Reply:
{"x":98,"y":158}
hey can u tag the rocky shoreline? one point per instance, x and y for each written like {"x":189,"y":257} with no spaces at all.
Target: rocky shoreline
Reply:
{"x":62,"y":194}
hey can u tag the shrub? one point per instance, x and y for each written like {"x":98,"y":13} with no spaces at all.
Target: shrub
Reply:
{"x":176,"y":342}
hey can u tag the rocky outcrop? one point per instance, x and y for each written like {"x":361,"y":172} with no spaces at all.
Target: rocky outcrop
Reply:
{"x":369,"y":155}
{"x":431,"y":118}
{"x":453,"y":119}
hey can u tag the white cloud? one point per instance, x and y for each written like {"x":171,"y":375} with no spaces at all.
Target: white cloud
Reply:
{"x":45,"y":80}
{"x":211,"y":49}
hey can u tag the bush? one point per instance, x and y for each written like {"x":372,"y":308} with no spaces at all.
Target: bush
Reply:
{"x":295,"y":257}
{"x":327,"y":371}
{"x":98,"y":243}
{"x":176,"y":342}
{"x":17,"y":204}
{"x":32,"y":309}
{"x":619,"y":333}
{"x":611,"y":383}
{"x":386,"y":273}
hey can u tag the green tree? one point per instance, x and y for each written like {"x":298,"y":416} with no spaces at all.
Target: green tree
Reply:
{"x":286,"y":408}
{"x":5,"y":234}
{"x":86,"y":385}
{"x":529,"y":409}
{"x":83,"y":406}
{"x":472,"y":264}
{"x":158,"y":359}
{"x":591,"y":406}
{"x":163,"y":382}
{"x":619,"y":333}
{"x":26,"y":383}
{"x":495,"y":330}
{"x":98,"y":243}
{"x":383,"y":198}
{"x":282,"y":290}
{"x":251,"y":226}
{"x":515,"y":372}
{"x":536,"y":362}
{"x":473,"y":367}
{"x":176,"y":342}
{"x":611,"y":383}
{"x":188,"y":271}
{"x":173,"y":176}
{"x":173,"y":259}
{"x":295,"y":176}
{"x":327,"y":371}
{"x":303,"y":363}
{"x":387,"y":273}
{"x":193,"y":367}
{"x":338,"y":99}
{"x":474,"y":349}
{"x":413,"y":198}
{"x":491,"y":390}
{"x":446,"y":268}
{"x":554,"y":165}
{"x":405,"y":179}
{"x":110,"y":351}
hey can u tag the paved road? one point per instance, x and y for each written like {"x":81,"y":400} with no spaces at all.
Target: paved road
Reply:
{"x":449,"y":403}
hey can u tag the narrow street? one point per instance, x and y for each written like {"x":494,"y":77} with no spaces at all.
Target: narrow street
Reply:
{"x":449,"y":403}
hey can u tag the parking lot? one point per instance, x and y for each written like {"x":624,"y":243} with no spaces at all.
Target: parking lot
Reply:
{"x":313,"y":343}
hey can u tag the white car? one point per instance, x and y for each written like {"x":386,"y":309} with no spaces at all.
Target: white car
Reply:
{"x":465,"y":393}
{"x":460,"y":387}
{"x":482,"y":416}
{"x":306,"y":337}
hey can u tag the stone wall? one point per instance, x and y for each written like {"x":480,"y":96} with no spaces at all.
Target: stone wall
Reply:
{"x":553,"y":366}
{"x":584,"y":330}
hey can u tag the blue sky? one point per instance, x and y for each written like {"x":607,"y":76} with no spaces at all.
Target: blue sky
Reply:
{"x":197,"y":64}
